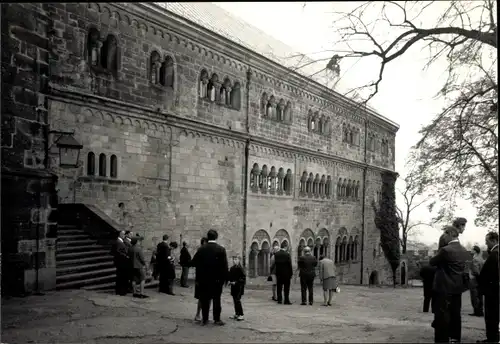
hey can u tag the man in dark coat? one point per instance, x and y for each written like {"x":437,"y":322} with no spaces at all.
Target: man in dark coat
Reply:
{"x":184,"y":261}
{"x":212,"y":269}
{"x":165,"y":266}
{"x":122,"y":265}
{"x":307,"y":271}
{"x":488,"y":286}
{"x":457,"y":228}
{"x":449,"y":284}
{"x":427,"y":273}
{"x":284,"y":273}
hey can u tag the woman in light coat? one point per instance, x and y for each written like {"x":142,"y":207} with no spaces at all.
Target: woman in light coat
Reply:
{"x":328,"y":278}
{"x":272,"y":277}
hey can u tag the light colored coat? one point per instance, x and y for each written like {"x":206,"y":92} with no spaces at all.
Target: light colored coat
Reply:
{"x":326,"y":268}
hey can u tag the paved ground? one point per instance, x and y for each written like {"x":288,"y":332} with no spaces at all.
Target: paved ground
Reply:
{"x":359,"y":314}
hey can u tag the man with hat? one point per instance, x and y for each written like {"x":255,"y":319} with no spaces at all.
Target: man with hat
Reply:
{"x":474,"y":271}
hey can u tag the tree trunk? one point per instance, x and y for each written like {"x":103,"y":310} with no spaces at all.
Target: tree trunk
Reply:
{"x":394,"y":278}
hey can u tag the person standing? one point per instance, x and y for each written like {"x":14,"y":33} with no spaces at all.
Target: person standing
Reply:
{"x":449,"y":284}
{"x":488,"y":286}
{"x":121,"y":261}
{"x":475,"y":269}
{"x":128,"y":243}
{"x":211,"y":272}
{"x":273,"y":273}
{"x":184,"y":261}
{"x":237,"y":280}
{"x":327,"y":276}
{"x":307,"y":271}
{"x":138,"y":267}
{"x":284,"y":273}
{"x":457,"y":228}
{"x":164,"y":262}
{"x":427,"y":273}
{"x":197,"y":317}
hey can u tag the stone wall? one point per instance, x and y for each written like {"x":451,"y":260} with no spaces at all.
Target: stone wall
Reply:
{"x":29,"y":219}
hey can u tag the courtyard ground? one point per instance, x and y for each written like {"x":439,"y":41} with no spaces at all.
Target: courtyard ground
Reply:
{"x":359,"y":314}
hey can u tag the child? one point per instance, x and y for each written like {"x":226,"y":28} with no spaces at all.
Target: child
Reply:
{"x":237,"y":280}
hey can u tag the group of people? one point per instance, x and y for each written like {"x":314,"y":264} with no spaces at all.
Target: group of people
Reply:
{"x":450,"y":273}
{"x":282,"y":273}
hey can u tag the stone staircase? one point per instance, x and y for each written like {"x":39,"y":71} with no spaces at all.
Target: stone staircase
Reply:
{"x":81,"y":261}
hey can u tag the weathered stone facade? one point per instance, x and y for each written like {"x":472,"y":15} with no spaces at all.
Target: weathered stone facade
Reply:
{"x":185,"y":131}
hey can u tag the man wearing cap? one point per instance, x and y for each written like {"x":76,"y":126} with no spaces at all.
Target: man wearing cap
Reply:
{"x":474,"y":271}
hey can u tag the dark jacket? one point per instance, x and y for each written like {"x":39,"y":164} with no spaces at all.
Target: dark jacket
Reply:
{"x":283,"y":264}
{"x":488,"y":278}
{"x":307,"y":266}
{"x":127,"y":243}
{"x":450,"y":261}
{"x":185,"y":257}
{"x":211,"y":265}
{"x":136,"y":256}
{"x":237,"y":275}
{"x":165,"y":266}
{"x":120,"y":254}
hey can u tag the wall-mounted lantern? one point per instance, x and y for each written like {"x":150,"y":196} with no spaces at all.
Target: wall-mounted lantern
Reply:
{"x":69,"y":149}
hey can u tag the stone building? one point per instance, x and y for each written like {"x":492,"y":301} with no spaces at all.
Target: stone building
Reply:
{"x":187,"y":123}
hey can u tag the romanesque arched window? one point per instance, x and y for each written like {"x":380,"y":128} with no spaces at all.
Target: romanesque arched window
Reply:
{"x":154,"y":68}
{"x":235,"y":98}
{"x":263,"y":179}
{"x":254,"y":178}
{"x":322,"y":185}
{"x":287,"y":183}
{"x":203,"y":84}
{"x":356,"y":190}
{"x":328,"y":187}
{"x":280,"y":111}
{"x":350,"y":249}
{"x":316,"y":186}
{"x":167,"y":75}
{"x":288,"y":112}
{"x":102,"y":165}
{"x":93,"y":47}
{"x":339,"y":188}
{"x":309,"y":184}
{"x":113,"y":164}
{"x":338,"y":245}
{"x":344,"y":249}
{"x":348,"y":189}
{"x":109,"y":54}
{"x":212,"y":87}
{"x":303,"y":183}
{"x":311,"y":121}
{"x":271,"y":108}
{"x":263,"y":104}
{"x":271,"y":180}
{"x":356,"y":244}
{"x":321,"y":124}
{"x":344,"y":188}
{"x":91,"y":164}
{"x":225,"y":92}
{"x":280,"y":184}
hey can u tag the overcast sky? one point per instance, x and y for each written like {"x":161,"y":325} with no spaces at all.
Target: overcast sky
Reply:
{"x":406,"y":95}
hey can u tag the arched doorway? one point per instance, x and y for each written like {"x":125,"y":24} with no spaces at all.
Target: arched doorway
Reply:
{"x":263,"y":260}
{"x":318,"y":248}
{"x":403,"y":273}
{"x":300,"y":248}
{"x":373,"y":281}
{"x":252,"y":260}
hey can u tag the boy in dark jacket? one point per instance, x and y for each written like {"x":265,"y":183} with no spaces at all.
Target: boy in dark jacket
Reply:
{"x":237,"y":280}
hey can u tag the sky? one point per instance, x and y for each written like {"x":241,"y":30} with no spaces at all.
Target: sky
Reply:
{"x":406,"y":96}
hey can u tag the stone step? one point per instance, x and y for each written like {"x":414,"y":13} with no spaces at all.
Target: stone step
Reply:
{"x":59,"y":226}
{"x":72,"y":237}
{"x":150,"y":284}
{"x":81,"y":248}
{"x":81,"y":276}
{"x":73,"y":243}
{"x":70,"y":231}
{"x":69,"y":255}
{"x":103,"y":256}
{"x":66,"y":270}
{"x":110,"y":278}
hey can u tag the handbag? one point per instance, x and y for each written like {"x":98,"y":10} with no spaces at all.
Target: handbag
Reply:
{"x":269,"y":278}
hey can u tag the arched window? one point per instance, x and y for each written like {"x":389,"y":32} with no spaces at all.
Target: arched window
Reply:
{"x":263,"y":104}
{"x":321,"y":124}
{"x":280,"y":109}
{"x":356,"y":190}
{"x":93,"y":44}
{"x":280,"y":181}
{"x":203,"y":84}
{"x":102,"y":165}
{"x":91,"y":164}
{"x":339,"y":188}
{"x":338,"y":245}
{"x":263,"y":179}
{"x":211,"y":87}
{"x":322,"y":186}
{"x":271,"y":180}
{"x":316,"y":186}
{"x":348,"y":189}
{"x":154,"y":68}
{"x":356,"y":244}
{"x":328,"y":187}
{"x":254,"y":176}
{"x":288,"y":112}
{"x":287,"y":183}
{"x":270,"y":108}
{"x":167,"y":72}
{"x":309,"y":184}
{"x":303,"y":183}
{"x":344,"y":249}
{"x":225,"y":92}
{"x":344,"y":188}
{"x":113,"y":163}
{"x":351,"y":136}
{"x":235,"y":99}
{"x":327,"y":129}
{"x":109,"y":54}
